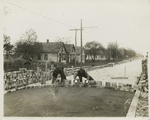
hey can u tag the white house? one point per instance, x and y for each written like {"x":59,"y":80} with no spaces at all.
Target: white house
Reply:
{"x":59,"y":52}
{"x":52,"y":51}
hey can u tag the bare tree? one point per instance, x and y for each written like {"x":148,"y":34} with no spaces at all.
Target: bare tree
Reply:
{"x":6,"y":44}
{"x":6,"y":10}
{"x":28,"y":45}
{"x":65,"y":40}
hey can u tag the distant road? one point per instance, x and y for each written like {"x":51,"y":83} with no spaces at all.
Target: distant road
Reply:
{"x":133,"y":70}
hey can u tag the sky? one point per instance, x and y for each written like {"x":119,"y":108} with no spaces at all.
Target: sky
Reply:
{"x":126,"y":22}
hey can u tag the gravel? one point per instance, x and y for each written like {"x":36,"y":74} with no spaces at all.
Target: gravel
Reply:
{"x":142,"y":106}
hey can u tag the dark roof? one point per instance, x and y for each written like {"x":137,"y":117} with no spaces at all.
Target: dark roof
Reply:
{"x":78,"y":49}
{"x":52,"y":47}
{"x":69,"y":47}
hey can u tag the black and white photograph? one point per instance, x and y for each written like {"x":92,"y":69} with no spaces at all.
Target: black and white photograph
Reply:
{"x":75,"y":58}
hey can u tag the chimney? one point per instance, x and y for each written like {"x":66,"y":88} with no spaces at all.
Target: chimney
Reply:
{"x":47,"y":40}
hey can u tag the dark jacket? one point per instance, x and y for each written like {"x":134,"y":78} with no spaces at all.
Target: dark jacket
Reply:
{"x":59,"y":70}
{"x":82,"y":73}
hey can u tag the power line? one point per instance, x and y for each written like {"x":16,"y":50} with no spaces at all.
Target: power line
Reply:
{"x":47,"y":17}
{"x":57,"y":13}
{"x":40,"y":15}
{"x":64,"y":16}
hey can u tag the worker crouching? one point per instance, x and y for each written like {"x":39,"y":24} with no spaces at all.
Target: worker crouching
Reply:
{"x":82,"y":73}
{"x":58,"y":73}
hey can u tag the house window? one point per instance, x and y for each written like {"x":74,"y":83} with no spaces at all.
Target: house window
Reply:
{"x":45,"y":56}
{"x":39,"y":57}
{"x":63,"y":57}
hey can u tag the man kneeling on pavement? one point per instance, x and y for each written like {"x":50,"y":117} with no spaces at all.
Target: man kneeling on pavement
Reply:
{"x":82,"y":73}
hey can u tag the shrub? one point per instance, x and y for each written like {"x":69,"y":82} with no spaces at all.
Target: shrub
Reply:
{"x":12,"y":65}
{"x":15,"y":65}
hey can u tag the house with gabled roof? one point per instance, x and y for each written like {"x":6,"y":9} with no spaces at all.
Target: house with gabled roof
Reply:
{"x":70,"y":52}
{"x":52,"y":51}
{"x":59,"y":52}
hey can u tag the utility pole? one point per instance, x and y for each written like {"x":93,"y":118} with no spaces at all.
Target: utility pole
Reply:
{"x":75,"y":47}
{"x":75,"y":41}
{"x":81,"y":42}
{"x":116,"y":51}
{"x":127,"y":52}
{"x":131,"y":54}
{"x":110,"y":48}
{"x":81,"y":37}
{"x":116,"y":48}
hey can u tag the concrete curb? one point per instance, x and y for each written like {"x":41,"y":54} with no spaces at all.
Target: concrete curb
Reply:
{"x":133,"y":106}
